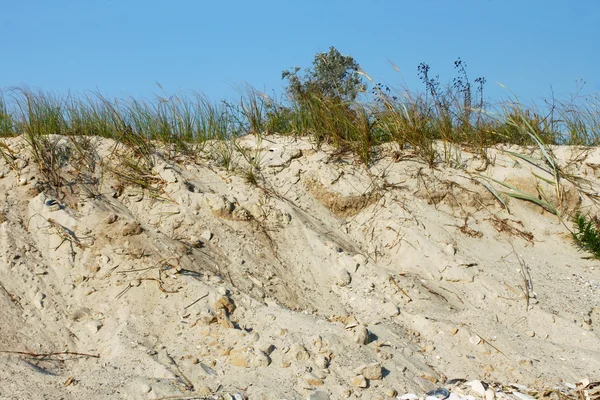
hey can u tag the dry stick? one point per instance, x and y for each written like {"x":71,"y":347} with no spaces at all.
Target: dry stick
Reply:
{"x":420,"y":175}
{"x":160,"y":286}
{"x":433,"y":292}
{"x":123,"y":292}
{"x":188,"y":384}
{"x":528,"y":284}
{"x":66,"y":234}
{"x":394,"y":242}
{"x":60,"y":353}
{"x":13,"y":298}
{"x":164,"y":261}
{"x":192,"y":397}
{"x":391,"y":279}
{"x":519,"y":295}
{"x":106,"y":275}
{"x":489,"y":344}
{"x":200,"y":298}
{"x":449,"y":291}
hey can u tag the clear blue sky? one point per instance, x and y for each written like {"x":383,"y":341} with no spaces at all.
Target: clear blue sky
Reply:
{"x":123,"y":47}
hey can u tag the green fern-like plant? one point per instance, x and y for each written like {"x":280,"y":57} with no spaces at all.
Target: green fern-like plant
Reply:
{"x":587,"y":234}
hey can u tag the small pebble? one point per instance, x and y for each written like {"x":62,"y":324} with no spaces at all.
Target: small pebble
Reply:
{"x":321,"y":361}
{"x":204,"y":390}
{"x":342,"y":278}
{"x":318,"y":395}
{"x":312,"y":380}
{"x":145,"y":388}
{"x":361,"y":334}
{"x":429,"y":347}
{"x":94,"y":326}
{"x":222,"y":291}
{"x":111,"y":219}
{"x":298,"y":352}
{"x":390,"y":310}
{"x":372,"y":371}
{"x":131,"y":228}
{"x":359,"y":381}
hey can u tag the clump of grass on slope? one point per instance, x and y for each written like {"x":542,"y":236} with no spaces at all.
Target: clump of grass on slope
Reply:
{"x":6,"y":119}
{"x":587,"y":235}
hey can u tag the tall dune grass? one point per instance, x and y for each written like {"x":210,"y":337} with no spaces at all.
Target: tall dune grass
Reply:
{"x":416,"y":121}
{"x":185,"y":122}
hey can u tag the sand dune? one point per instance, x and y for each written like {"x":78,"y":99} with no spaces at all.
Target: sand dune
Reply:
{"x":310,"y":276}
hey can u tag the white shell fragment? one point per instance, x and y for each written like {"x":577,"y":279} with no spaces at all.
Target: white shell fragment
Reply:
{"x":475,"y":339}
{"x":523,"y":396}
{"x":408,"y":396}
{"x":477,"y":386}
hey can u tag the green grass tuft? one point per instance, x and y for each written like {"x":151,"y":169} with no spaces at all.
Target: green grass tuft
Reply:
{"x":587,"y":234}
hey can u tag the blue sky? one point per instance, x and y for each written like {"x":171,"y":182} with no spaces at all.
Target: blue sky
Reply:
{"x":123,"y":47}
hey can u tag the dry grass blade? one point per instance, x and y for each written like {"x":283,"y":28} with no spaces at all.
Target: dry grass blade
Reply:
{"x":9,"y":156}
{"x":489,"y":344}
{"x":527,"y":282}
{"x":392,"y":280}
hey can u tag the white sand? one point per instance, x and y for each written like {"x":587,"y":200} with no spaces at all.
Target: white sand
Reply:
{"x":424,"y":259}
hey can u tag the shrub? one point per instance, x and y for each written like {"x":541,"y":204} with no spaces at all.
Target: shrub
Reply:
{"x":332,"y":76}
{"x":587,"y":235}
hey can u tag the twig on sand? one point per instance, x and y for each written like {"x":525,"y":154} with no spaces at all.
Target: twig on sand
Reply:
{"x":12,"y":297}
{"x":527,"y":288}
{"x":527,"y":282}
{"x":188,"y":384}
{"x":66,"y":234}
{"x":44,"y":355}
{"x":489,"y":344}
{"x":122,"y":293}
{"x":160,"y":286}
{"x":449,"y":291}
{"x":136,"y":282}
{"x":200,"y":298}
{"x":157,"y":280}
{"x":391,"y":279}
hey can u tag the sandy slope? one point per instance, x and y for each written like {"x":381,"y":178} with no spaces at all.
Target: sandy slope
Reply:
{"x":320,"y":269}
